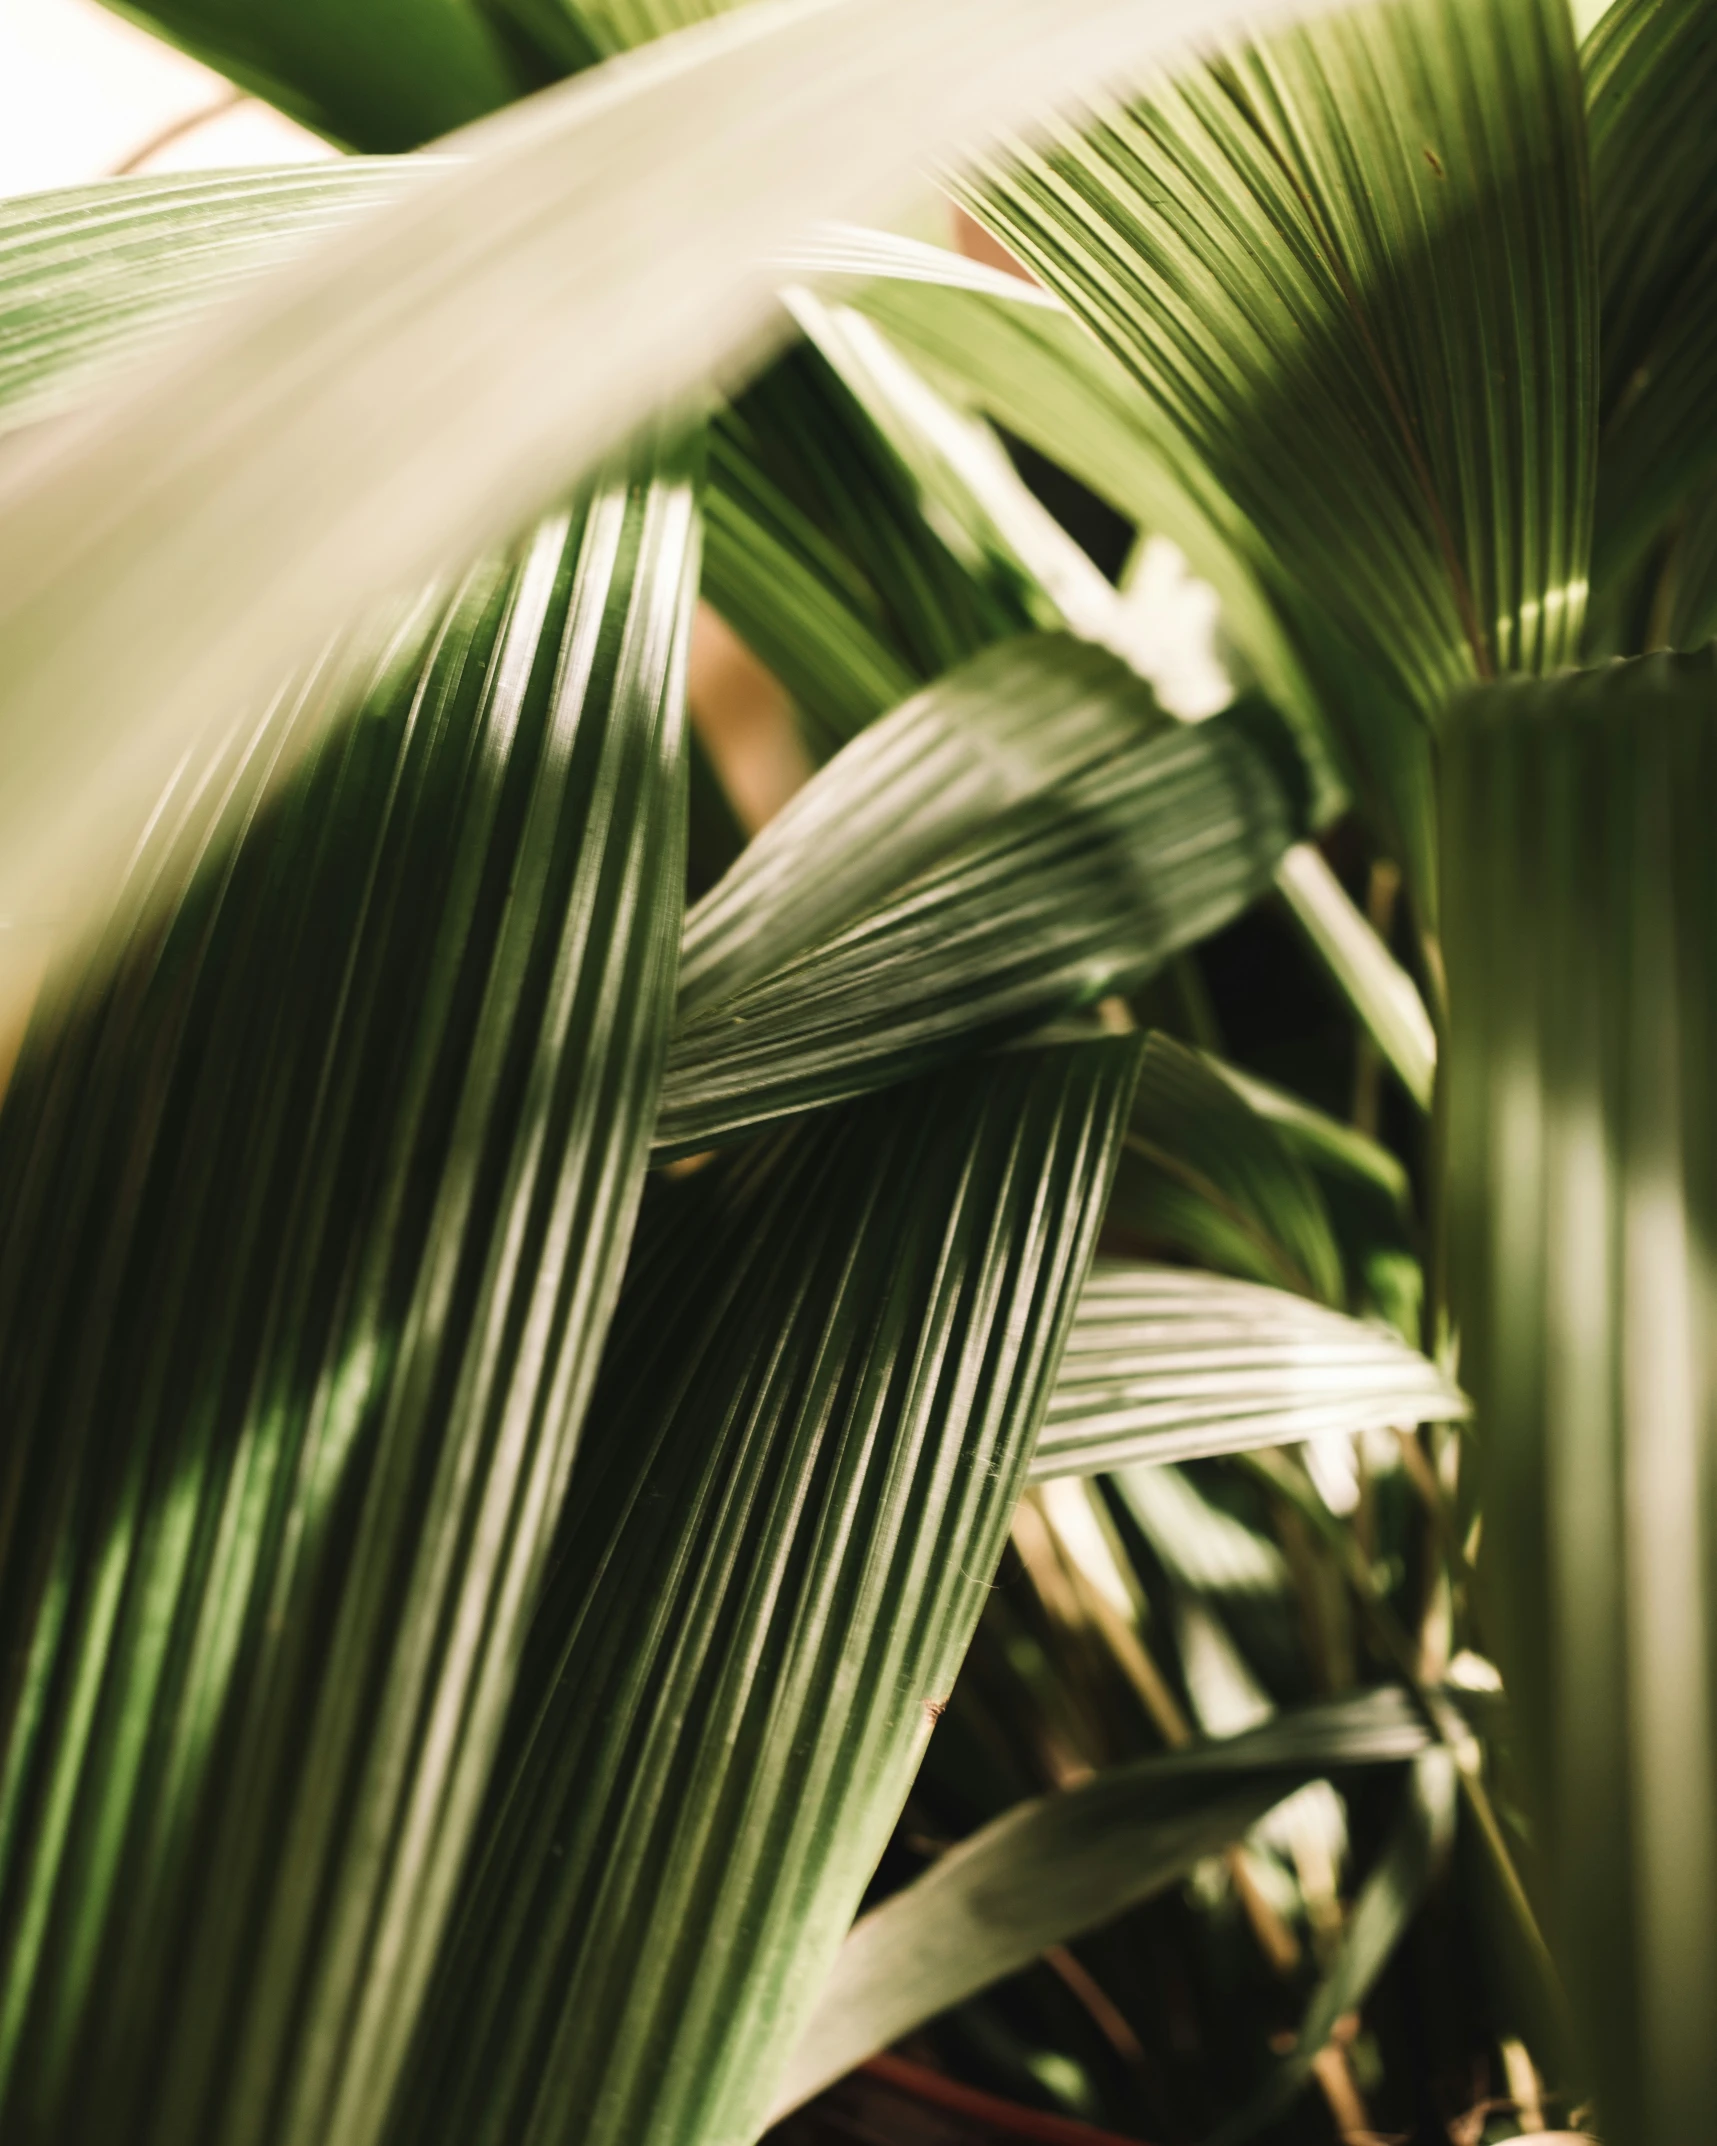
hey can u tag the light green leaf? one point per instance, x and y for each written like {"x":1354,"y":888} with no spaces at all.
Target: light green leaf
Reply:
{"x":1051,"y":1869}
{"x":314,"y":1196}
{"x":816,"y":1414}
{"x":1583,"y":1204}
{"x":1651,"y":68}
{"x":434,"y":374}
{"x":816,"y":548}
{"x":95,"y":278}
{"x":1080,"y":888}
{"x":1351,"y":273}
{"x":1167,"y":1365}
{"x":1378,"y":988}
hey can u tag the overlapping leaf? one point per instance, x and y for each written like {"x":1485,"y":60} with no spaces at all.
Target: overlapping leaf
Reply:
{"x":1008,"y":349}
{"x":1066,"y":1863}
{"x":1207,"y":1176}
{"x":434,"y":374}
{"x":1583,"y":946}
{"x":1137,"y":847}
{"x":1651,"y":68}
{"x":315,"y":1198}
{"x":820,"y":557}
{"x":816,"y":546}
{"x":815,"y":1417}
{"x":96,"y":277}
{"x":1351,"y":271}
{"x":1168,"y":1365}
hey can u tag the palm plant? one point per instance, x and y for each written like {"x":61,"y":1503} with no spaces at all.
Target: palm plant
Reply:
{"x":640,"y":1465}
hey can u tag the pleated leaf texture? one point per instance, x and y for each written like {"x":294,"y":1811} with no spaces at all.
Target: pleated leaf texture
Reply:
{"x":1168,"y":1365}
{"x":818,"y":553}
{"x":815,"y":1416}
{"x":944,"y":922}
{"x":1352,"y":272}
{"x":816,"y":546}
{"x":93,"y":276}
{"x":1582,"y":952}
{"x":316,"y":1195}
{"x":1652,"y":71}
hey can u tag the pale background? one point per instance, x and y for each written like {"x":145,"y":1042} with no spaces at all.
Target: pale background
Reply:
{"x":81,"y":91}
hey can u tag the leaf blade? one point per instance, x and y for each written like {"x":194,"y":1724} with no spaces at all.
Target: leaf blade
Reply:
{"x":339,"y":1240}
{"x":820,"y":1402}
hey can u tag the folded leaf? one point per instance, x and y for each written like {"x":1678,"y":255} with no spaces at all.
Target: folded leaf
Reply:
{"x":1583,"y":1203}
{"x":1351,"y":271}
{"x":314,"y":1197}
{"x":816,"y":1413}
{"x":996,"y":732}
{"x":1064,"y":1864}
{"x":1651,"y":69}
{"x":1167,"y":1365}
{"x":1080,"y":890}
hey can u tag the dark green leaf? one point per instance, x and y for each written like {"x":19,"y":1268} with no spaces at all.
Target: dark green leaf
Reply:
{"x":819,"y":556}
{"x":373,"y":74}
{"x":1651,"y":69}
{"x":1418,"y":1844}
{"x":1166,"y":1365}
{"x":1583,"y":1202}
{"x":1064,"y":1864}
{"x":815,"y":1416}
{"x":1077,"y":891}
{"x":315,"y":1195}
{"x":1351,"y":271}
{"x":1204,"y":1174}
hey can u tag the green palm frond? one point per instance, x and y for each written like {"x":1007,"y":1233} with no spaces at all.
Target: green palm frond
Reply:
{"x":1352,"y":273}
{"x":1651,"y":68}
{"x":317,"y":1192}
{"x":1168,"y":1365}
{"x":1051,"y":1868}
{"x":815,"y":1417}
{"x":1067,"y":896}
